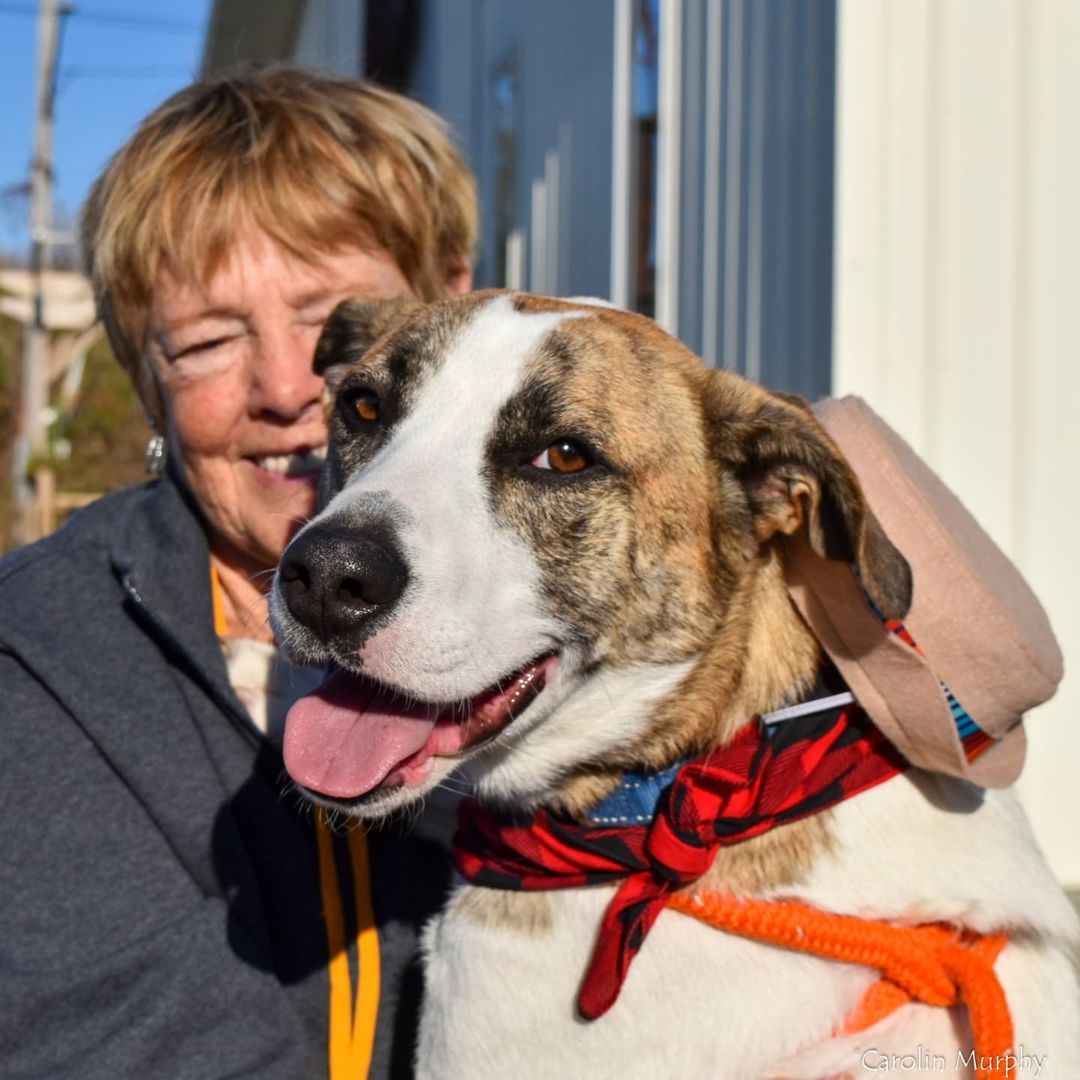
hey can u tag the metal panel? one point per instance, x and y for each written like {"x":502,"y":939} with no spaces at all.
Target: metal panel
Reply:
{"x":743,"y":207}
{"x":670,"y":211}
{"x":331,"y":36}
{"x":559,"y":224}
{"x":246,"y":31}
{"x":756,"y":191}
{"x":622,"y":181}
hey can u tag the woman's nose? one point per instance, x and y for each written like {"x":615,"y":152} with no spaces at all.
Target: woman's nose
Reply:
{"x":283,"y":384}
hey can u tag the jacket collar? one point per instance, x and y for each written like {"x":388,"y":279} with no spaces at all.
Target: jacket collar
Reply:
{"x":141,"y":672}
{"x":161,"y":557}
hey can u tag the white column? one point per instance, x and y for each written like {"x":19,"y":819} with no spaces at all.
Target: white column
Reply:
{"x":622,"y":155}
{"x":669,"y":124}
{"x":957,"y":232}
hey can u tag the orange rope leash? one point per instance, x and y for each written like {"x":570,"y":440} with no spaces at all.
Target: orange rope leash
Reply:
{"x":933,"y":963}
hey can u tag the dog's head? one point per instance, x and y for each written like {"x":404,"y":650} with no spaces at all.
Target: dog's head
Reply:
{"x":551,"y":544}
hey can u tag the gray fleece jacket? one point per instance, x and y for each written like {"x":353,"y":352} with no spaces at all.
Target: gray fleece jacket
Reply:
{"x":160,"y":911}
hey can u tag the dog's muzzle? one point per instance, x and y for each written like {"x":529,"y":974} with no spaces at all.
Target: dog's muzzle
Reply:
{"x":337,"y":581}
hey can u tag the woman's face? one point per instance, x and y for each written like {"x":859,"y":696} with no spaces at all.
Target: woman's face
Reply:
{"x":244,"y":409}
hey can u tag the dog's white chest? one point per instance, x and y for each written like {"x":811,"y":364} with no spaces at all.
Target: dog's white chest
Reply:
{"x":699,"y":1002}
{"x":696,"y":1003}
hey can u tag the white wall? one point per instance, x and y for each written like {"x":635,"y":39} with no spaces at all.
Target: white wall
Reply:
{"x":957,"y":306}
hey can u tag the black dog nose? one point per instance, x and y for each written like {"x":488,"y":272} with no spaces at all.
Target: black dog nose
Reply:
{"x":336,"y":580}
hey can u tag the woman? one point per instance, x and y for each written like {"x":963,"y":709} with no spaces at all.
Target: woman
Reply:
{"x":168,"y":907}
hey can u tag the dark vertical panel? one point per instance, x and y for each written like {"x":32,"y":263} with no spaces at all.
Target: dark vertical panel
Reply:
{"x":798,"y":179}
{"x":795,"y":40}
{"x":822,"y":197}
{"x":391,"y":40}
{"x":692,"y":177}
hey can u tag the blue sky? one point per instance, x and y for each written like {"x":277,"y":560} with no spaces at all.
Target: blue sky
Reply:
{"x":116,"y":64}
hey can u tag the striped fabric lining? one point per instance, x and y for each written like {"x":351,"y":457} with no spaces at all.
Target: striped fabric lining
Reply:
{"x":972,"y":737}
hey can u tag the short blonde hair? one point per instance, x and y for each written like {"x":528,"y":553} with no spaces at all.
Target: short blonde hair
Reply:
{"x":315,"y":161}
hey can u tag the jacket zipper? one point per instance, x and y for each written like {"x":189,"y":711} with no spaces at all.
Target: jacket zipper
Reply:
{"x":165,"y":637}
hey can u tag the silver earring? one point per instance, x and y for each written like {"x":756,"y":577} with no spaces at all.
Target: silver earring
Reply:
{"x":155,"y":455}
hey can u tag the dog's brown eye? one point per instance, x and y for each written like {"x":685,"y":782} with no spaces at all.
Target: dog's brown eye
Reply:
{"x":565,"y":456}
{"x":365,"y":404}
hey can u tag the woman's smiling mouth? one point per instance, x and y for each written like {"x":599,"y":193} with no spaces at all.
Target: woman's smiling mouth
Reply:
{"x":298,"y":464}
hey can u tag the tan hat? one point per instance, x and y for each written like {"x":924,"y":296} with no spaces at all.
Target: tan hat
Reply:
{"x":979,"y":628}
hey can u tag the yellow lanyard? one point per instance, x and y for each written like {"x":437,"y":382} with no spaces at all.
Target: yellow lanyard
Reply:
{"x":352,"y":1027}
{"x":216,"y":594}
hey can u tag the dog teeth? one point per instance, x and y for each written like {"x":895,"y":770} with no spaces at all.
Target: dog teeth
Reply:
{"x":294,"y":464}
{"x":522,"y":684}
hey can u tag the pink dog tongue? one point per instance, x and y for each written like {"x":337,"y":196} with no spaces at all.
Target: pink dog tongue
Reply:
{"x":345,"y":738}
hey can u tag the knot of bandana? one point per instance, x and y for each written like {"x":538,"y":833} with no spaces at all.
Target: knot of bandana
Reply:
{"x":758,"y":781}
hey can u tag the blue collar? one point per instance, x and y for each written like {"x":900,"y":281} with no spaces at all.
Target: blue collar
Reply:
{"x":635,"y":800}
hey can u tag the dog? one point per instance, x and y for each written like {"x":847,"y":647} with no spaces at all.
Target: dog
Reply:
{"x":550,"y":555}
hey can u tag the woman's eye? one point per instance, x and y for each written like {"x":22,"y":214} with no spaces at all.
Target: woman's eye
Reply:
{"x":362,"y":405}
{"x":564,"y":456}
{"x":200,"y":347}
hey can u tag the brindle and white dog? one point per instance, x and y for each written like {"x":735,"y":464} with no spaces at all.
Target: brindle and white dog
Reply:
{"x":551,"y":550}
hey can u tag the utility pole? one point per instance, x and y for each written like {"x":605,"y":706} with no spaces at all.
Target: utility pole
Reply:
{"x":30,"y":438}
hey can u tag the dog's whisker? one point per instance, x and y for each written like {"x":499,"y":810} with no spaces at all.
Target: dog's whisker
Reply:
{"x":602,"y":682}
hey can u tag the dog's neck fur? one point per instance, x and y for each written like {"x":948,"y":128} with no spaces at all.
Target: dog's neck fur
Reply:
{"x":760,"y":654}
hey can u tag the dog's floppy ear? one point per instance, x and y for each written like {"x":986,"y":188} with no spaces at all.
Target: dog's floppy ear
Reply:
{"x":353,"y":327}
{"x":800,"y":486}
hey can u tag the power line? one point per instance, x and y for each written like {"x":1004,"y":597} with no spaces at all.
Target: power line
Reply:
{"x":120,"y":19}
{"x":111,"y":18}
{"x":119,"y":71}
{"x":18,"y":9}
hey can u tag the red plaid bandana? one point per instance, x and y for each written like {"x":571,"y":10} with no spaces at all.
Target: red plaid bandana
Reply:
{"x":755,"y":783}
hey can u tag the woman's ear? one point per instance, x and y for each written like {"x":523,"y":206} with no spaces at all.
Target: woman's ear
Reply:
{"x":799,"y":486}
{"x":459,"y":278}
